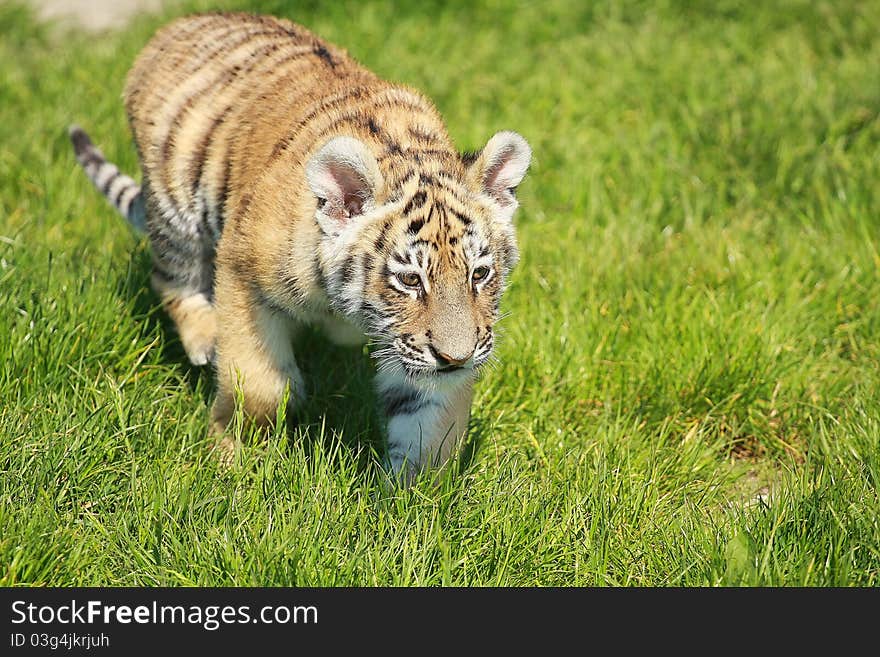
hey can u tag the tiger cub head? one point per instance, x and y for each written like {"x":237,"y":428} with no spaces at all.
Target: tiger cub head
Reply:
{"x":417,"y":255}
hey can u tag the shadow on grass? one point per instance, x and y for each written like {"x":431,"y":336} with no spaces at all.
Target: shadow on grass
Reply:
{"x":341,"y":402}
{"x":477,"y":432}
{"x":341,"y":406}
{"x":339,"y":380}
{"x":135,"y":288}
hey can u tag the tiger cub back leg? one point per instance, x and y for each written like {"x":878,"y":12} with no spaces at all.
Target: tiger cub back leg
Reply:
{"x":183,"y":272}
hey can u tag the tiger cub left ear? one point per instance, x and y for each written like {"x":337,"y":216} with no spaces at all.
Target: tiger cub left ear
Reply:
{"x":344,"y":177}
{"x":501,"y":166}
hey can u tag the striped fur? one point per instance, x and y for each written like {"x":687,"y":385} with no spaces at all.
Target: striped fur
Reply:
{"x":122,"y":191}
{"x":285,"y":184}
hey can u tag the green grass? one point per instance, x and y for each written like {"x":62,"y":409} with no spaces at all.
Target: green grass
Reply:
{"x":694,"y":320}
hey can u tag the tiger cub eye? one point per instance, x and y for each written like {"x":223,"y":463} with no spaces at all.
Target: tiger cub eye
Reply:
{"x":480,"y":273}
{"x":410,"y":279}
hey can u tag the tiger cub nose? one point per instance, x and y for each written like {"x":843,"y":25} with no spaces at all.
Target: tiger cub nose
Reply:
{"x":447,"y":361}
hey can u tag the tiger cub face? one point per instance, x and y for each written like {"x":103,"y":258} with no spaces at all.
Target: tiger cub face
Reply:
{"x":420,"y":263}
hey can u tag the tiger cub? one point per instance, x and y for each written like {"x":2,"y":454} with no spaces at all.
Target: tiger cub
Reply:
{"x":285,"y":185}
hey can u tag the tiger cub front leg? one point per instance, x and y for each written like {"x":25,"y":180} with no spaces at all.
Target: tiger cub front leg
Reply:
{"x":255,"y":355}
{"x":425,"y":425}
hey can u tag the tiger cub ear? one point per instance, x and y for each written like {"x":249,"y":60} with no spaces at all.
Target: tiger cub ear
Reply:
{"x":500,"y":167}
{"x":344,"y":177}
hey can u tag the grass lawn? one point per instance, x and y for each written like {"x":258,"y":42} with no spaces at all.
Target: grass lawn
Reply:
{"x":687,"y":391}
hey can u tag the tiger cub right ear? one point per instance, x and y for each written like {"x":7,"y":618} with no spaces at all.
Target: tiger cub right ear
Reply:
{"x":500,"y":167}
{"x":344,"y":177}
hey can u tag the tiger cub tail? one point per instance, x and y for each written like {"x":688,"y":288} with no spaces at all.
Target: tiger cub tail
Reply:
{"x":122,"y":191}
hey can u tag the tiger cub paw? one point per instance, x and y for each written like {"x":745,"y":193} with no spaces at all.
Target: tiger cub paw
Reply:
{"x":223,"y":451}
{"x":197,"y":327}
{"x":200,"y":347}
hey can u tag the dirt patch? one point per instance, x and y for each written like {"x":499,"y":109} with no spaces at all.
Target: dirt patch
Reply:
{"x":93,"y":15}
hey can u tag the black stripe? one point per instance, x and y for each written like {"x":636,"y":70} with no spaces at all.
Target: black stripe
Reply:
{"x":244,"y":204}
{"x":452,"y":183}
{"x":290,"y":283}
{"x":467,"y":221}
{"x":277,"y":73}
{"x":444,"y":215}
{"x":215,"y":35}
{"x":393,"y":148}
{"x":105,"y":188}
{"x":374,"y":129}
{"x":160,"y":271}
{"x":469,"y":157}
{"x":348,"y":269}
{"x":225,"y":47}
{"x":240,"y":267}
{"x":204,"y":222}
{"x":216,"y":27}
{"x":204,"y":144}
{"x":402,"y":401}
{"x":324,"y":55}
{"x":128,"y":207}
{"x":418,"y":105}
{"x":225,"y":74}
{"x":171,"y":245}
{"x":421,"y":135}
{"x":426,"y":243}
{"x":404,"y":179}
{"x":224,"y":193}
{"x":369,"y":263}
{"x":324,"y":107}
{"x":319,"y":274}
{"x":118,"y":195}
{"x":379,"y":244}
{"x":266,"y":302}
{"x":431,"y":151}
{"x":450,"y":176}
{"x":221,"y":79}
{"x":371,"y":312}
{"x":222,"y":46}
{"x":353,"y":118}
{"x":418,"y":200}
{"x":237,"y":228}
{"x":90,"y":157}
{"x":416,"y":226}
{"x":289,"y":30}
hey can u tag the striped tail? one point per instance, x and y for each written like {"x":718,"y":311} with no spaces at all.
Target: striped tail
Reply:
{"x":122,"y":192}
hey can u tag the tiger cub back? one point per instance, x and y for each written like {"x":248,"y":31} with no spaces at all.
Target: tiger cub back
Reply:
{"x":286,"y":184}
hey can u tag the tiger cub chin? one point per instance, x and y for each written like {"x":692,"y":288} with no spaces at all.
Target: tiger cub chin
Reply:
{"x":284,"y":184}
